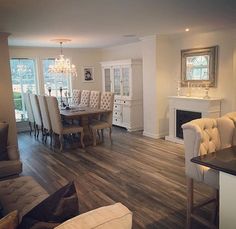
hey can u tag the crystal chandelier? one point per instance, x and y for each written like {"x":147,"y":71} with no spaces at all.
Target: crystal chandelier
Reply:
{"x":62,"y":65}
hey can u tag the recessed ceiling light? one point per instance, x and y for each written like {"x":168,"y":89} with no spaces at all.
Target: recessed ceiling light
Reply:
{"x":187,"y":30}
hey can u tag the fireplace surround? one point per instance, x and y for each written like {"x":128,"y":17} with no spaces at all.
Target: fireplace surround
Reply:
{"x":192,"y":107}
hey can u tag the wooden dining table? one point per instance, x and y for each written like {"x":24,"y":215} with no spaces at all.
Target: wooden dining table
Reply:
{"x":78,"y":112}
{"x":83,"y":115}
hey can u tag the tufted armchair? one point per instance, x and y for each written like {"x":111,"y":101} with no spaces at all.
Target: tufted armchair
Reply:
{"x":107,"y":102}
{"x":10,"y":164}
{"x":76,"y":96}
{"x":85,"y":95}
{"x":203,"y":136}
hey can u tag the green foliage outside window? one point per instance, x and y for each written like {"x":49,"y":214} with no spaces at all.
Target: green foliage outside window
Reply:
{"x":18,"y":101}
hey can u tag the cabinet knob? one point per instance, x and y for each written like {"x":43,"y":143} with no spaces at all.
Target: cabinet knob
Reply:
{"x":124,"y":101}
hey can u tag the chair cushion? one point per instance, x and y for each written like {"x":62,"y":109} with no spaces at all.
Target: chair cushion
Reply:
{"x":72,"y":129}
{"x":99,"y":125}
{"x":3,"y":141}
{"x":115,"y":216}
{"x":22,"y":194}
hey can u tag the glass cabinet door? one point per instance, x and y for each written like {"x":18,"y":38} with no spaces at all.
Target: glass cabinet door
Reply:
{"x":107,"y":75}
{"x":117,"y":79}
{"x":126,"y":81}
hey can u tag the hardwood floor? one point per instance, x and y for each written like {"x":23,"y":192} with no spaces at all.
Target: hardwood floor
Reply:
{"x":144,"y":174}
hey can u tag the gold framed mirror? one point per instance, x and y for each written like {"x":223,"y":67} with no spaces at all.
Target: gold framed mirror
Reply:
{"x":199,"y":66}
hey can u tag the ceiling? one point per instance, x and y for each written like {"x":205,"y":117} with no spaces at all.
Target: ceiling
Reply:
{"x":103,"y":23}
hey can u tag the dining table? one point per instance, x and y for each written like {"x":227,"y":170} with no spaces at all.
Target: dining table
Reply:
{"x":78,"y":112}
{"x":84,"y":116}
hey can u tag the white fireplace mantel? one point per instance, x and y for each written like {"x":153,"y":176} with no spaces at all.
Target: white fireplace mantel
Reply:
{"x":209,"y":108}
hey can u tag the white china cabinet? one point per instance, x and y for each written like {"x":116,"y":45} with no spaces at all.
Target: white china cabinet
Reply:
{"x":124,"y":78}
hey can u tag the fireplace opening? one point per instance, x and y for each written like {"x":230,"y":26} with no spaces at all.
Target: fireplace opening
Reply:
{"x":183,"y":117}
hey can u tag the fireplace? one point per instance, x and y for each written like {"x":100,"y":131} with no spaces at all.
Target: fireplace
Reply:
{"x":183,"y":117}
{"x":181,"y":107}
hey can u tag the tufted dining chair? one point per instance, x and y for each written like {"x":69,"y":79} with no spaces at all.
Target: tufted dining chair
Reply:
{"x":94,"y":100}
{"x":85,"y":95}
{"x":29,"y":111}
{"x":37,"y":114}
{"x":76,"y":96}
{"x":47,"y":127}
{"x":203,"y":136}
{"x":107,"y":102}
{"x":56,"y":122}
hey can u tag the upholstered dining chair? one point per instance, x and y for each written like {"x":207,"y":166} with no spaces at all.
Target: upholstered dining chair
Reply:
{"x":37,"y":115}
{"x":107,"y":102}
{"x":29,"y":111}
{"x":56,"y":122}
{"x":76,"y":96}
{"x":94,"y":100}
{"x":203,"y":136}
{"x":85,"y":95}
{"x":47,"y":127}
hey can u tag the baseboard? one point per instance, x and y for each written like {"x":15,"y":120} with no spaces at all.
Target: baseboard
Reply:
{"x":155,"y":136}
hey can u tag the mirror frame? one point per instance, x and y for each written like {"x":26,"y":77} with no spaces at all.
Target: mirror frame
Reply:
{"x":213,"y":65}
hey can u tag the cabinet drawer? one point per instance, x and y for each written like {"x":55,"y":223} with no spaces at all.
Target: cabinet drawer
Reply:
{"x":117,"y":113}
{"x":117,"y":107}
{"x":117,"y":121}
{"x":126,"y":102}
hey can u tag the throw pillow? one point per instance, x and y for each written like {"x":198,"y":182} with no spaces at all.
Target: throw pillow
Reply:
{"x":10,"y":221}
{"x":3,"y":141}
{"x":57,"y":208}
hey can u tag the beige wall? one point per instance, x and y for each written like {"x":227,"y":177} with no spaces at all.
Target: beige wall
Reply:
{"x":120,"y":52}
{"x":79,"y":57}
{"x":226,"y":75}
{"x":7,"y":113}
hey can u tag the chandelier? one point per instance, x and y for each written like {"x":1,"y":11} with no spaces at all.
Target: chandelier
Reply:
{"x":62,"y":65}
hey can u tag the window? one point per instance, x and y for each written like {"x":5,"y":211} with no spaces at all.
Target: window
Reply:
{"x":54,"y":81}
{"x":23,"y":80}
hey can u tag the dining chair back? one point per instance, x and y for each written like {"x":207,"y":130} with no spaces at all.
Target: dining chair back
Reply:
{"x":56,"y":122}
{"x":107,"y":102}
{"x":47,"y":127}
{"x":76,"y":96}
{"x":29,"y":111}
{"x":85,"y":95}
{"x":94,"y":101}
{"x":37,"y":113}
{"x":54,"y":114}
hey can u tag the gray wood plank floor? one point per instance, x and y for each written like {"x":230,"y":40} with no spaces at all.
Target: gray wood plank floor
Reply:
{"x":144,"y":174}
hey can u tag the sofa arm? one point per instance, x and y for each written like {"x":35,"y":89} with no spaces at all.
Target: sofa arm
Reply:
{"x":115,"y":216}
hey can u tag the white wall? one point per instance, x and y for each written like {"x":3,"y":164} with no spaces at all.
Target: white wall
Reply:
{"x":79,"y":57}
